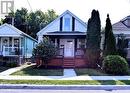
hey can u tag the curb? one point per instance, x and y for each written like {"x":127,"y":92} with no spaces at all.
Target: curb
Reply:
{"x":65,"y":87}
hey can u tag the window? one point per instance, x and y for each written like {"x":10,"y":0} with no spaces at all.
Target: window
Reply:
{"x":81,"y":43}
{"x":67,"y":24}
{"x":16,"y":42}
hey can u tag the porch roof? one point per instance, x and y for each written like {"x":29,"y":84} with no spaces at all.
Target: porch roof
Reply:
{"x":60,"y":33}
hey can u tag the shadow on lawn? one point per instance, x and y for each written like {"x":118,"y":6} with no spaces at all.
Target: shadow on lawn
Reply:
{"x":107,"y":82}
{"x":34,"y":71}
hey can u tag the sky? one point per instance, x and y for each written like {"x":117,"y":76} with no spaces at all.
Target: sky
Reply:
{"x":117,"y":9}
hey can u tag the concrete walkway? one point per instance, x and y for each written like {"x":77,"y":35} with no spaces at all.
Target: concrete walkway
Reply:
{"x":12,"y":70}
{"x":69,"y":72}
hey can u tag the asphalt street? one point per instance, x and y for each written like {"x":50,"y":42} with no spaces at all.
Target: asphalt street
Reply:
{"x":60,"y":91}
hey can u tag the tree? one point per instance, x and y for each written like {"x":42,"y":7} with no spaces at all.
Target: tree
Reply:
{"x":31,"y":22}
{"x":121,"y":45}
{"x":109,"y":41}
{"x":93,"y":39}
{"x":45,"y":50}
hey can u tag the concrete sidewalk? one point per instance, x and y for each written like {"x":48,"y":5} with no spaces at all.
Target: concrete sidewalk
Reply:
{"x":65,"y":77}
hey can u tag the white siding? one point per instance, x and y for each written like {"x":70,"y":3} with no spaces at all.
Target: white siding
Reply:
{"x":79,"y":27}
{"x":53,"y":27}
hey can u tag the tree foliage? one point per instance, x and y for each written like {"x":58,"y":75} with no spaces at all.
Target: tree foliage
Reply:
{"x":115,"y":65}
{"x":31,"y":22}
{"x":93,"y":38}
{"x":109,"y":42}
{"x":45,"y":50}
{"x":121,"y":45}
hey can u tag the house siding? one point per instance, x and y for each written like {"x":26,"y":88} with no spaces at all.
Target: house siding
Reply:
{"x":79,"y":26}
{"x":53,"y":27}
{"x":28,"y":47}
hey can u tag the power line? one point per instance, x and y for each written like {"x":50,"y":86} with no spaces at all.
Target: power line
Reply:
{"x":29,"y":5}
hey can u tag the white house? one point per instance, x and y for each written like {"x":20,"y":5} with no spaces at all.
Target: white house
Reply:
{"x":123,"y":27}
{"x":68,"y":32}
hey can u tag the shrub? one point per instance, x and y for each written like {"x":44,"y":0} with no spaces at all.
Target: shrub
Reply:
{"x":11,"y":64}
{"x":45,"y":50}
{"x":115,"y":64}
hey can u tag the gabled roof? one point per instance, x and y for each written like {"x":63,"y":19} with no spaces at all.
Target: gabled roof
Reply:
{"x":121,"y":25}
{"x":17,"y":31}
{"x":67,"y":11}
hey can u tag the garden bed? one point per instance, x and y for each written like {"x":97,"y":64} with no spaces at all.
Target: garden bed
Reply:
{"x":33,"y":71}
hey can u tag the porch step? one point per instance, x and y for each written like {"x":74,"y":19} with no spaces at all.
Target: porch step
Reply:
{"x":68,"y":62}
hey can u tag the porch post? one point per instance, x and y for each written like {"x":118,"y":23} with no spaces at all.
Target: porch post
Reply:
{"x":55,"y":41}
{"x":12,"y":40}
{"x":58,"y":42}
{"x":20,"y":42}
{"x":75,"y":44}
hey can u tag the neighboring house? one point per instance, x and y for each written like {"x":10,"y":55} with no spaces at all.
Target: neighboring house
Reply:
{"x":123,"y":27}
{"x":14,"y":43}
{"x":68,"y":32}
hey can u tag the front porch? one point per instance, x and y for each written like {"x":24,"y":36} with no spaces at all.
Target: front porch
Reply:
{"x":71,"y":51}
{"x":11,"y":46}
{"x":60,"y":61}
{"x":11,"y":51}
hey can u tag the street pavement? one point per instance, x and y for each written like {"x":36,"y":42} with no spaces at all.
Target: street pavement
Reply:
{"x":60,"y":91}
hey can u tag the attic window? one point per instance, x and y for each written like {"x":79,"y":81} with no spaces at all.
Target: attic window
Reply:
{"x":66,"y":24}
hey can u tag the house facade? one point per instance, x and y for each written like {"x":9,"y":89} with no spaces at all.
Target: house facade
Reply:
{"x":123,"y":28}
{"x":68,"y":32}
{"x":14,"y":43}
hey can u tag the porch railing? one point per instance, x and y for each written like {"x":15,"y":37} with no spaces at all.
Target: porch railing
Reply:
{"x":12,"y":51}
{"x":78,"y":52}
{"x":60,"y":52}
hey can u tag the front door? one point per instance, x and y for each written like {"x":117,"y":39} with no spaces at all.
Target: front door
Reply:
{"x":69,"y":48}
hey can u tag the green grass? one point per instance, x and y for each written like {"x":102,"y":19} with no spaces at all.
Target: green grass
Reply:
{"x":3,"y":68}
{"x":32,"y":71}
{"x":66,"y":82}
{"x":89,"y":72}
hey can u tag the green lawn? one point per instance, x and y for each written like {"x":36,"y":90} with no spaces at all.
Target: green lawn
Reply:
{"x":89,"y":72}
{"x":32,"y":71}
{"x":3,"y":68}
{"x":66,"y":82}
